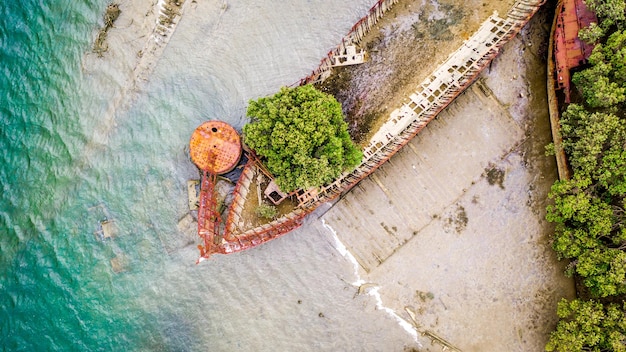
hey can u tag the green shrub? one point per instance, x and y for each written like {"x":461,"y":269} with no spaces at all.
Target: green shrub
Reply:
{"x":266,"y":211}
{"x":302,"y":136}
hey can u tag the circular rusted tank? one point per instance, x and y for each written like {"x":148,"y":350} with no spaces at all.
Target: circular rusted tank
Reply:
{"x":215,"y":147}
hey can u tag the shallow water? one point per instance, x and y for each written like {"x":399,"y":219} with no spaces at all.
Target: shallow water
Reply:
{"x":67,"y":163}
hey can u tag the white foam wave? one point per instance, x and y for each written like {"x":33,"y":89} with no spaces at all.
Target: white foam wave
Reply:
{"x":343,"y":250}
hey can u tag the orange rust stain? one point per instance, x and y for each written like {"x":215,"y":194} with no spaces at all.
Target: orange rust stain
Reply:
{"x":570,"y":52}
{"x":215,"y":147}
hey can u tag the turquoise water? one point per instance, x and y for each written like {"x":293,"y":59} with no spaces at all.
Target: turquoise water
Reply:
{"x":67,"y":163}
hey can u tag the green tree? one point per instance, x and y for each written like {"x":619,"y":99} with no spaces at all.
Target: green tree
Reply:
{"x":583,"y":221}
{"x":591,"y":34}
{"x":595,"y":143}
{"x":589,"y":326}
{"x":588,"y":209}
{"x":611,"y":171}
{"x":302,"y":136}
{"x":615,"y":52}
{"x":603,"y":84}
{"x":266,"y":211}
{"x":604,"y":271}
{"x":610,"y":12}
{"x":591,"y":232}
{"x":597,"y":88}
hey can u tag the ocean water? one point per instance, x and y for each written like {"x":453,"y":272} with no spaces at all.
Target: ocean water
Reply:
{"x":78,"y":146}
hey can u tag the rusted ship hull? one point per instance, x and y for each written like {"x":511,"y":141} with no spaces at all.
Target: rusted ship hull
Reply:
{"x":241,"y":231}
{"x":568,"y":50}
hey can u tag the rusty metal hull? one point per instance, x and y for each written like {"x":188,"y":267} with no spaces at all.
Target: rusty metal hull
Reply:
{"x":432,"y":96}
{"x":569,"y":51}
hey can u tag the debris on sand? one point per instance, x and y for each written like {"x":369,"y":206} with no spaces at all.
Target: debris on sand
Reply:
{"x":110,"y":15}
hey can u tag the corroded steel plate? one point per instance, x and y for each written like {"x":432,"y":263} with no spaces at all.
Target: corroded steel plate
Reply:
{"x":215,"y":147}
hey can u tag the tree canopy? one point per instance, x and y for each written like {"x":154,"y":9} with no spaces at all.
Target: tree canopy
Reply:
{"x":610,"y":12}
{"x":302,"y":137}
{"x":589,"y":326}
{"x":588,"y":209}
{"x":603,"y":84}
{"x":590,"y":232}
{"x":595,"y":145}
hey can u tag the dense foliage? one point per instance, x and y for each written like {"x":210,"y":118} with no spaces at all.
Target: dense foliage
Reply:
{"x":588,"y":209}
{"x":589,"y":326}
{"x":603,"y":84}
{"x":302,"y":136}
{"x":266,"y":211}
{"x":611,"y":13}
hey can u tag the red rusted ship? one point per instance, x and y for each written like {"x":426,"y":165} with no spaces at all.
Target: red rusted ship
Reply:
{"x":216,"y":148}
{"x":569,"y":51}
